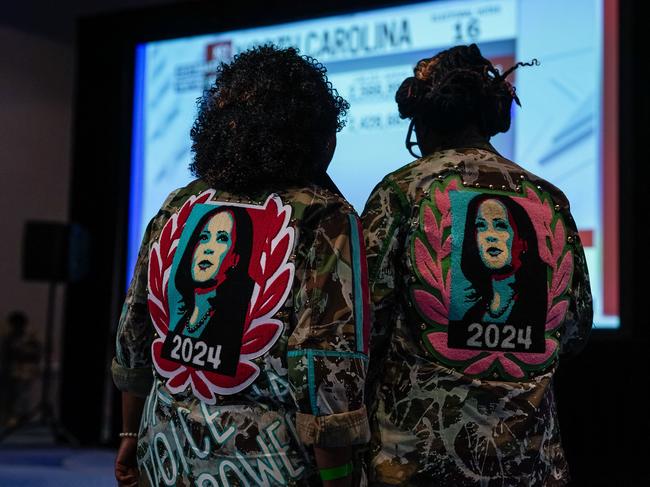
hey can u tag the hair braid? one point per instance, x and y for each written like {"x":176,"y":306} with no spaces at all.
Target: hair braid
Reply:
{"x":456,"y":88}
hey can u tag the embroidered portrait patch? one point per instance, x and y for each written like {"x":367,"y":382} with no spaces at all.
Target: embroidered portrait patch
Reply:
{"x":217,"y":275}
{"x":492,"y":273}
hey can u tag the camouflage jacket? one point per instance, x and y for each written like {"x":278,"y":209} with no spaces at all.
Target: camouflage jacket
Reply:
{"x":246,"y":327}
{"x":479,"y":282}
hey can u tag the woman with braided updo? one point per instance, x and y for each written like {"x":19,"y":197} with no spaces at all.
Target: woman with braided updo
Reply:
{"x":456,"y":96}
{"x":478,"y":282}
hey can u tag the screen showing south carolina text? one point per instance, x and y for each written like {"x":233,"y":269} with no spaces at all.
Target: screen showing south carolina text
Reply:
{"x":560,"y":133}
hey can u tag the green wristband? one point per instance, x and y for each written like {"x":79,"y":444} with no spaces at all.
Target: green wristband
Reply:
{"x":336,"y":472}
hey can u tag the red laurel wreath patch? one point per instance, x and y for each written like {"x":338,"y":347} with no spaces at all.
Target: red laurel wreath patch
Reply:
{"x":272,"y":274}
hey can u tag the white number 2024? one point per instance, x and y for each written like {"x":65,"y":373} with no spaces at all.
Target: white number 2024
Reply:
{"x":195,"y":352}
{"x":494,"y":336}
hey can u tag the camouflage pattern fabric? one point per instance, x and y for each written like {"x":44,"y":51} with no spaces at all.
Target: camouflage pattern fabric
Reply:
{"x":481,"y":413}
{"x":315,"y":366}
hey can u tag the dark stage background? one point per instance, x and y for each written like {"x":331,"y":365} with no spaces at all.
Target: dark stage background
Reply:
{"x":602,"y":394}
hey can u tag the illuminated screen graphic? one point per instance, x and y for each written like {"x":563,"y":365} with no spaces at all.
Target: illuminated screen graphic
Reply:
{"x":565,"y":131}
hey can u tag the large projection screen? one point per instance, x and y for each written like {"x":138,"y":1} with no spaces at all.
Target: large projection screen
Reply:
{"x":564,"y":132}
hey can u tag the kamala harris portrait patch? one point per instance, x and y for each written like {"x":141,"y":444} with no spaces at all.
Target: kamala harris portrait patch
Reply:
{"x":218,"y":274}
{"x":492,"y":275}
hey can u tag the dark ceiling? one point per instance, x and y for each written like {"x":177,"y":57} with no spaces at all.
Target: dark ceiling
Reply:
{"x":56,"y":20}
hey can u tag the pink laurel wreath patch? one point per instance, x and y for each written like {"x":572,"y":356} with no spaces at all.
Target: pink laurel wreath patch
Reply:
{"x":435,"y":307}
{"x":272,"y":274}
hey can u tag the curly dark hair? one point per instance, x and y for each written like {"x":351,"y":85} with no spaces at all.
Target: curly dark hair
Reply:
{"x":456,"y":88}
{"x":266,"y":121}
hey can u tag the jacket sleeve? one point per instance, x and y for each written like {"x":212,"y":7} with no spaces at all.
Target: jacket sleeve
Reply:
{"x":579,"y":317}
{"x":382,"y":220}
{"x":132,"y":366}
{"x":328,"y":348}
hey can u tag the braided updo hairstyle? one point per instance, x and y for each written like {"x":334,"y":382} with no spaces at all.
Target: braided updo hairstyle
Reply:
{"x":265,"y":122}
{"x":457,"y":88}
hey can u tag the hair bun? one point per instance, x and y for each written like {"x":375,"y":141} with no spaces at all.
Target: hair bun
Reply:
{"x":409,"y":97}
{"x":452,"y":101}
{"x":457,"y":88}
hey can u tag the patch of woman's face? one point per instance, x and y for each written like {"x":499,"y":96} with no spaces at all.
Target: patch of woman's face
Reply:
{"x":494,"y":234}
{"x":215,"y":241}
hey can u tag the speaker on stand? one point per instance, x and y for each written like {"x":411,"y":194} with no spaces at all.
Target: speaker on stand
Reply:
{"x":54,"y":253}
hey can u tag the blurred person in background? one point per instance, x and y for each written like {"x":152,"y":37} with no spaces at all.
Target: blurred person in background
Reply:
{"x":20,"y":354}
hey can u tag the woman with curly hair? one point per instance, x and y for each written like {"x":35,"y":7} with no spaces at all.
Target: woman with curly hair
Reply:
{"x":478,"y":282}
{"x":242,"y":348}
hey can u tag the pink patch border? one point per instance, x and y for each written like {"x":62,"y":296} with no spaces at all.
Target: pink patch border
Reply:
{"x":430,"y":253}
